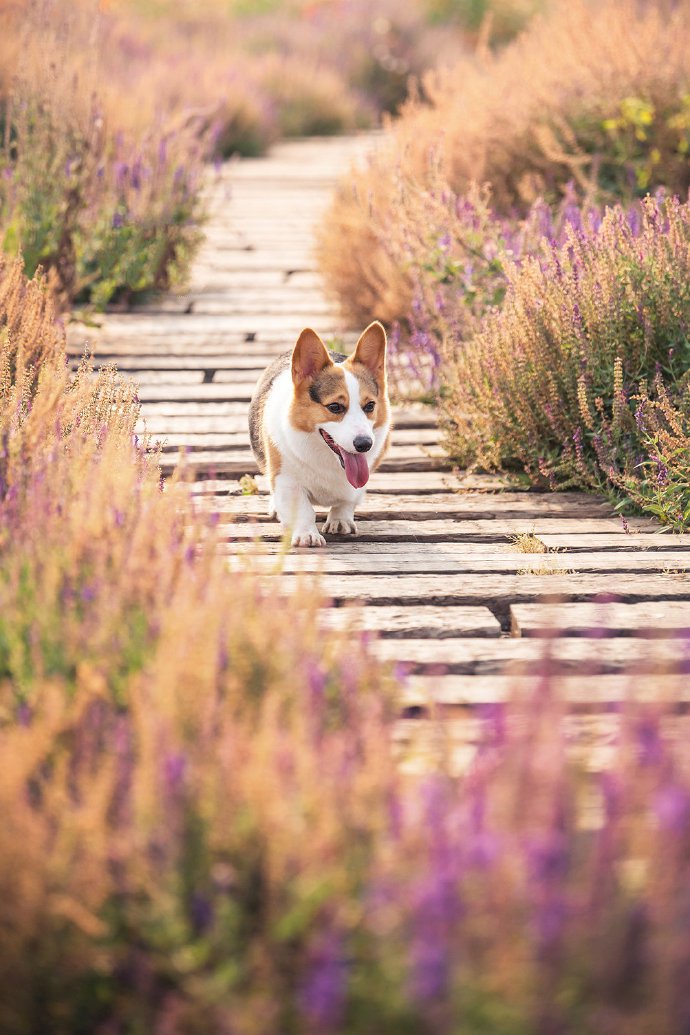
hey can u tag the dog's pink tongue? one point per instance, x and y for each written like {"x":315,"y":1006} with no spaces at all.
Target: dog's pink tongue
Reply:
{"x":356,"y":468}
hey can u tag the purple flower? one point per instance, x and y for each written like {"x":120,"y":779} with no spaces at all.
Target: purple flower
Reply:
{"x":672,"y":808}
{"x":430,"y":968}
{"x":649,"y":742}
{"x":323,"y":993}
{"x":174,"y":770}
{"x":201,"y":912}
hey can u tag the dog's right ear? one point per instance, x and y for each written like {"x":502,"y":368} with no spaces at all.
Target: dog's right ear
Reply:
{"x":309,"y":356}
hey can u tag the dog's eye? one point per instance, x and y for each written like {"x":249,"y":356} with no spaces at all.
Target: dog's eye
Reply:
{"x":336,"y":408}
{"x":369,"y":408}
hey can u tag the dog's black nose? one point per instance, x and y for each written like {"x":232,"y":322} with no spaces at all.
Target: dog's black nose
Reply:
{"x":362,"y":443}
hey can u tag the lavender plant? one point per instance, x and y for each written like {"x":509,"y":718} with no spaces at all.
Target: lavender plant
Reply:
{"x":557,"y":380}
{"x":455,"y":252}
{"x":106,"y":213}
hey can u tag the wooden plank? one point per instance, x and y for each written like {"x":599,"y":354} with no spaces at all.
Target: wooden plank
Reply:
{"x":470,"y":691}
{"x":160,"y":426}
{"x":351,"y":548}
{"x":308,"y":312}
{"x":649,"y":618}
{"x":523,"y":505}
{"x":206,"y":419}
{"x":435,"y":529}
{"x":396,"y":622}
{"x":241,"y":365}
{"x":180,"y":344}
{"x":591,"y":540}
{"x":196,"y":393}
{"x":578,"y":655}
{"x":165,"y":325}
{"x":407,"y":483}
{"x":439,"y":561}
{"x":193,"y":409}
{"x":227,"y":462}
{"x":238,"y":440}
{"x":501,"y":590}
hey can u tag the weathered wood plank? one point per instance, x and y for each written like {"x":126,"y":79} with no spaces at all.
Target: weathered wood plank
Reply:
{"x":241,"y":461}
{"x":441,"y":562}
{"x":438,"y":530}
{"x":407,"y":483}
{"x":424,"y":621}
{"x":577,"y":655}
{"x":523,"y":505}
{"x":196,"y":393}
{"x":238,"y":440}
{"x":195,"y":414}
{"x":349,"y":547}
{"x":591,"y":540}
{"x":652,"y":618}
{"x":161,"y":325}
{"x":243,"y":365}
{"x":501,"y":590}
{"x":581,"y":692}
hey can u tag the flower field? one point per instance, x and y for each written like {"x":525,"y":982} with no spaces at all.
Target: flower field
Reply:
{"x":109,"y":110}
{"x":221,"y":814}
{"x":471,"y":202}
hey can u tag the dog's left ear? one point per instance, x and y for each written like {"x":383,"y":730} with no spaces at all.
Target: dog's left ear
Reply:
{"x":371,"y":350}
{"x":309,"y":356}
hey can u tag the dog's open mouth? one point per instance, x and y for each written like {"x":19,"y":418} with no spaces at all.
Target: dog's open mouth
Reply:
{"x":354,"y":464}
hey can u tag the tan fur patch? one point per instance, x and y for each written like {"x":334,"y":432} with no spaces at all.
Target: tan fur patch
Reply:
{"x":382,"y":454}
{"x":273,"y":459}
{"x":312,"y":396}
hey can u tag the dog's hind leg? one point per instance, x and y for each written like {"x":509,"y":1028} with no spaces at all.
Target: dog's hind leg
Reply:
{"x":272,"y":471}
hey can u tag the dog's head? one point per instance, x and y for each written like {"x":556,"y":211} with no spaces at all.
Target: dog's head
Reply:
{"x":344,"y":402}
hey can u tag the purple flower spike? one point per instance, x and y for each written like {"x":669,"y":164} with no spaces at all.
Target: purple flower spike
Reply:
{"x":323,"y":994}
{"x":672,"y":809}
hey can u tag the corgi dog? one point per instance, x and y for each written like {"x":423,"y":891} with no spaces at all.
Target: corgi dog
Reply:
{"x":319,"y":424}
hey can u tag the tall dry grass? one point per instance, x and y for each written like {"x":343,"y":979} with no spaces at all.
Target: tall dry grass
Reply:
{"x":590,"y":96}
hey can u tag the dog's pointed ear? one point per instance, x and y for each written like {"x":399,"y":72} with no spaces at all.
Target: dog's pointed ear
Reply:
{"x":309,"y":356}
{"x":371,"y":350}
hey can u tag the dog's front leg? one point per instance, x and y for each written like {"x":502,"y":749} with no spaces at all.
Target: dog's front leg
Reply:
{"x":341,"y":518}
{"x":295,"y":512}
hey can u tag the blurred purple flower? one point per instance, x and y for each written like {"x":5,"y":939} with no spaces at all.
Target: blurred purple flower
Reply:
{"x":174,"y":770}
{"x":323,"y":994}
{"x":672,"y":809}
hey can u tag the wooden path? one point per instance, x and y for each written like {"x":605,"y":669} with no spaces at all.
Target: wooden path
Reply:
{"x":435,"y":568}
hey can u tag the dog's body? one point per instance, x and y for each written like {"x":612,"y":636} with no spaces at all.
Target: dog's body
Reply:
{"x":319,"y":423}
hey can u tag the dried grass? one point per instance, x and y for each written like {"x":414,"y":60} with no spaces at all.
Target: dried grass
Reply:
{"x":575,"y":100}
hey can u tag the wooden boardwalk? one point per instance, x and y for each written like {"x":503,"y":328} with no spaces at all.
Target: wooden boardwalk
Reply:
{"x":435,"y":571}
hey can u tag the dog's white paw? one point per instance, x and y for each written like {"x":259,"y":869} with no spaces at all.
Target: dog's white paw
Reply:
{"x":271,"y":509}
{"x":311,"y":537}
{"x":340,"y":526}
